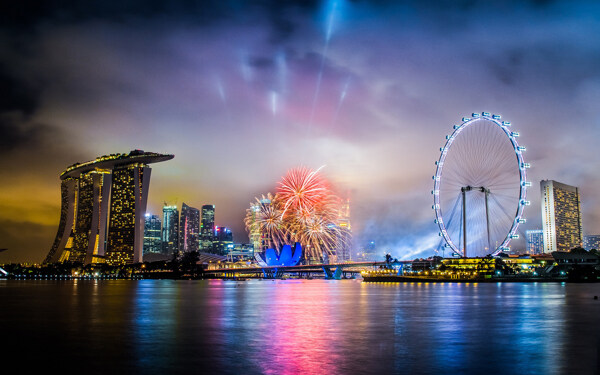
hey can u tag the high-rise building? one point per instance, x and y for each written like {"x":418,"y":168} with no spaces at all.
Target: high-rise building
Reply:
{"x":170,"y":230}
{"x":535,"y":241}
{"x":207,"y":230}
{"x":344,"y":246}
{"x":253,"y":228}
{"x":591,"y":241}
{"x":103,"y":209}
{"x":189,"y":229}
{"x":223,"y":238}
{"x":152,"y":234}
{"x":561,"y":216}
{"x":259,"y":238}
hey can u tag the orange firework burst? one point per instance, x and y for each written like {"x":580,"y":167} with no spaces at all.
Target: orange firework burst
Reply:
{"x":302,"y":190}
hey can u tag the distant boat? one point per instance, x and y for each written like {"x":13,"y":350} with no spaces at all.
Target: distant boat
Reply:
{"x":1,"y":250}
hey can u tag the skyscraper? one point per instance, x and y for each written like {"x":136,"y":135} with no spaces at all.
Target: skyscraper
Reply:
{"x":535,"y":241}
{"x":260,"y":239}
{"x":561,"y":216}
{"x":170,"y":230}
{"x":189,"y":229}
{"x":343,"y":249}
{"x":103,"y":204}
{"x":152,"y":234}
{"x":207,"y":231}
{"x":223,"y":238}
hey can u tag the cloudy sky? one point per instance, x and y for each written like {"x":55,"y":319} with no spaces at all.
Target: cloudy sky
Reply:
{"x":242,"y":91}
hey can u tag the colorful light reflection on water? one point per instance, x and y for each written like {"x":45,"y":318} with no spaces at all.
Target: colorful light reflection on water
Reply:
{"x":302,"y":326}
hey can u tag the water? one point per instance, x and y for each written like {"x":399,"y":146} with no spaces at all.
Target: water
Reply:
{"x":299,"y":327}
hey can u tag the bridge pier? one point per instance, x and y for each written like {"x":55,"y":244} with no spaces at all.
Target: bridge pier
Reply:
{"x":275,"y":273}
{"x":336,"y":275}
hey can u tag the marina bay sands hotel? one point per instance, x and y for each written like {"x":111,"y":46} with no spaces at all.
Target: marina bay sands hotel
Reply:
{"x":103,"y":203}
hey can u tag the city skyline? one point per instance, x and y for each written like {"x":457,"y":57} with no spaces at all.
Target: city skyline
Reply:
{"x":241,"y":95}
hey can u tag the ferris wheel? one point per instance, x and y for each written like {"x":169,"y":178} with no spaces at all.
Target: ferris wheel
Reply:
{"x":480,"y":186}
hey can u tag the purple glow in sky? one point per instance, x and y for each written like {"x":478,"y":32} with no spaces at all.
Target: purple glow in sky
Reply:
{"x":241,"y":92}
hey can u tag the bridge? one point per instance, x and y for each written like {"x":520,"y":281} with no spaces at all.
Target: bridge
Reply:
{"x":334,"y":271}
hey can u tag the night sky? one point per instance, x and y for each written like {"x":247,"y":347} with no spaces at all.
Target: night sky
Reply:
{"x":241,"y":92}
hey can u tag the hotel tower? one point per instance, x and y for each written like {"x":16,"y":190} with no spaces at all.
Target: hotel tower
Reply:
{"x":103,"y":206}
{"x":561,"y":216}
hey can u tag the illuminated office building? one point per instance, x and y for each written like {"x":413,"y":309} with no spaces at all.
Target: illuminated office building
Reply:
{"x":152,"y":235}
{"x":259,"y":239}
{"x":103,"y":204}
{"x":170,"y":230}
{"x":207,"y":230}
{"x":591,"y":241}
{"x":561,"y":216}
{"x":254,"y":228}
{"x":189,"y":229}
{"x":344,"y":246}
{"x":535,"y":241}
{"x":223,"y":238}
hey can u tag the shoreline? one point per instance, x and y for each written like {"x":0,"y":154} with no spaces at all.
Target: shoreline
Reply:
{"x":402,"y":279}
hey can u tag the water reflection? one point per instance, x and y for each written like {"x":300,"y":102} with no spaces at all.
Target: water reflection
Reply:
{"x":302,"y":326}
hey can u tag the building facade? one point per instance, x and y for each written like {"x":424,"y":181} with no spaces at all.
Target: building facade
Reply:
{"x":207,"y":230}
{"x":535,"y":241}
{"x":344,"y":245}
{"x":152,"y":234}
{"x":189,"y":229}
{"x":170,"y":230}
{"x":103,"y":205}
{"x":561,"y":216}
{"x":259,"y":238}
{"x":223,"y":238}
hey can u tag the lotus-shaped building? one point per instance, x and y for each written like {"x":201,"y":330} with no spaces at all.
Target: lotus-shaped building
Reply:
{"x":286,"y":258}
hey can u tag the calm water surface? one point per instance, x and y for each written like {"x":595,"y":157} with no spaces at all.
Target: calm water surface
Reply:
{"x":300,"y":327}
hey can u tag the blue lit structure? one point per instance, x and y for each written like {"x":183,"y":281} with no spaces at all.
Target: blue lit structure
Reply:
{"x":286,"y":258}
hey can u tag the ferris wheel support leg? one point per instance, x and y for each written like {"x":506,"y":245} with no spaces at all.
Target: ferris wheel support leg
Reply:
{"x":487,"y":219}
{"x":464,"y":217}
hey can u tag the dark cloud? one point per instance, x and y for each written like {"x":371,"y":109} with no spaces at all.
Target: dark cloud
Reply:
{"x":16,"y":135}
{"x":17,"y":95}
{"x":24,"y":241}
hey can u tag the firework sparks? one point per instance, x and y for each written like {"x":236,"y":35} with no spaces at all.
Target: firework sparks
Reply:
{"x":304,"y":210}
{"x":263,"y":222}
{"x":302,"y":190}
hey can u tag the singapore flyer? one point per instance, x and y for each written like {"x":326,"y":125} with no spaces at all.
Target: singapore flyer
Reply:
{"x":480,"y":186}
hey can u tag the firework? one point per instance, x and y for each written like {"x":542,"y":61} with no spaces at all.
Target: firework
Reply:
{"x":304,"y":210}
{"x":263,"y":222}
{"x":302,"y":190}
{"x":318,"y":236}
